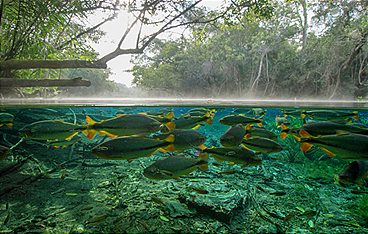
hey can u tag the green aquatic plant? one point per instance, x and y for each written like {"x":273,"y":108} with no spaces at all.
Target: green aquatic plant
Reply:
{"x":360,"y":209}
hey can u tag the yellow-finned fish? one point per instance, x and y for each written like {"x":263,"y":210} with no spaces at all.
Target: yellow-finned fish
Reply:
{"x":236,"y":155}
{"x":184,"y":139}
{"x":194,"y":122}
{"x":6,"y":119}
{"x":129,"y":148}
{"x":331,"y":115}
{"x":124,"y":125}
{"x":174,"y":166}
{"x":50,"y":130}
{"x":345,"y":145}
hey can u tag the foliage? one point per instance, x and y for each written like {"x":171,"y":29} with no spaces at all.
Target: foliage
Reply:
{"x":266,"y":57}
{"x":360,"y":208}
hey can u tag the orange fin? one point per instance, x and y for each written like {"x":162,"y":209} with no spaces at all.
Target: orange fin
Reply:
{"x":89,"y":120}
{"x":296,"y":137}
{"x":284,"y":127}
{"x":260,"y":125}
{"x":170,"y":115}
{"x":170,"y":138}
{"x":170,"y":148}
{"x":283,"y":135}
{"x":304,"y":134}
{"x":160,"y":150}
{"x":209,"y":121}
{"x":90,"y":134}
{"x":170,"y":126}
{"x":305,"y":147}
{"x":248,"y":127}
{"x":329,"y":153}
{"x":202,"y":147}
{"x":247,"y":136}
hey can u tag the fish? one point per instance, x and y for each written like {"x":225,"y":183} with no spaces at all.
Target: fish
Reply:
{"x":130,"y":148}
{"x":233,"y":136}
{"x":194,"y":122}
{"x":4,"y":152}
{"x":123,"y":125}
{"x":6,"y":119}
{"x":327,"y":128}
{"x":63,"y":143}
{"x":330,"y":115}
{"x":346,"y":146}
{"x":201,"y":112}
{"x":355,"y":172}
{"x":184,"y":139}
{"x":236,"y":155}
{"x":174,"y":167}
{"x":50,"y":130}
{"x":232,"y":120}
{"x":260,"y":132}
{"x":261,"y":144}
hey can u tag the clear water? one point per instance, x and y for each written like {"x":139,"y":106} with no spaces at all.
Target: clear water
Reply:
{"x":70,"y":190}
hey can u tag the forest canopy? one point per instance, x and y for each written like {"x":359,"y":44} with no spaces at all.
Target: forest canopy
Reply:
{"x":244,"y":48}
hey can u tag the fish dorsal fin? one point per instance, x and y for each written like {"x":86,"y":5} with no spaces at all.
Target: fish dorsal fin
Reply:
{"x":89,"y":120}
{"x":305,"y":146}
{"x":170,"y":125}
{"x":304,"y":134}
{"x":170,"y":138}
{"x":170,"y":115}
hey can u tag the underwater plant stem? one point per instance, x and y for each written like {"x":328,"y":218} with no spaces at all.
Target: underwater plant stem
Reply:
{"x":18,"y":143}
{"x":75,"y":117}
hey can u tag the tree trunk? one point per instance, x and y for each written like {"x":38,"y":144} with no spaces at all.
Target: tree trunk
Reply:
{"x":9,"y":82}
{"x":305,"y":23}
{"x":51,"y":64}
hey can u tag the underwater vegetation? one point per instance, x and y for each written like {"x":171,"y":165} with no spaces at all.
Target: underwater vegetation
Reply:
{"x":189,"y":169}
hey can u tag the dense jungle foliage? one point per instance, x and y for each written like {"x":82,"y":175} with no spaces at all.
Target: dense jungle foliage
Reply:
{"x":246,"y":48}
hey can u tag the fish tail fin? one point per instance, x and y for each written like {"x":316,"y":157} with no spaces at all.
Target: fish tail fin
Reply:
{"x":170,"y":126}
{"x":89,"y":133}
{"x":90,"y":121}
{"x":305,"y":147}
{"x":304,"y":134}
{"x":170,"y":138}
